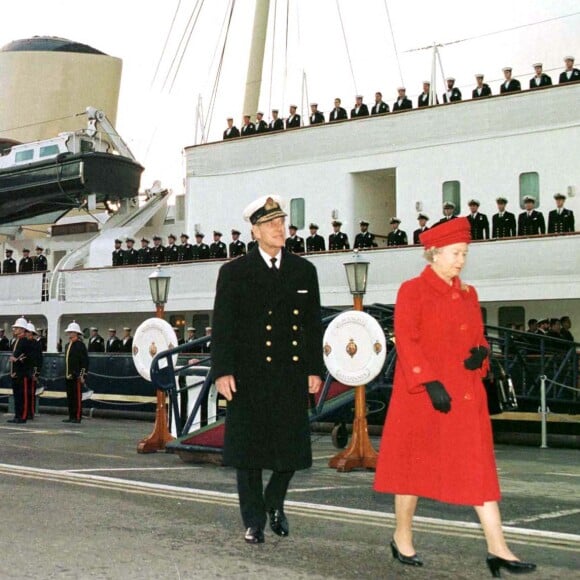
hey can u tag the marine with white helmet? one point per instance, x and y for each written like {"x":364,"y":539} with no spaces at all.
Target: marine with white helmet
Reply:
{"x":76,"y":367}
{"x":20,"y":371}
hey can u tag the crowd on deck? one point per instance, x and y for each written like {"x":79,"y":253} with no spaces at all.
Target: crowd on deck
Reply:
{"x":27,"y":263}
{"x":360,"y":109}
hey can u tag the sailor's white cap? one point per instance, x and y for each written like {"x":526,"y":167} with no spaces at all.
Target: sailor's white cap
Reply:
{"x":479,"y":75}
{"x":293,"y":107}
{"x":474,"y":202}
{"x":559,"y":196}
{"x":263,"y":209}
{"x":450,"y":79}
{"x":314,"y":104}
{"x":506,"y":69}
{"x":260,"y":113}
{"x":529,"y":198}
{"x":538,"y":64}
{"x":426,"y":82}
{"x":74,"y":327}
{"x":359,"y":97}
{"x":401,"y":89}
{"x":569,"y":57}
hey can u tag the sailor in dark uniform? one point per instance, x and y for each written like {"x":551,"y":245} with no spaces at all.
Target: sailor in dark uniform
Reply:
{"x":423,"y":99}
{"x":510,"y":85}
{"x":315,"y":242}
{"x":316,"y":116}
{"x":26,"y":264}
{"x":396,"y":237}
{"x":201,"y":250}
{"x":402,"y":103}
{"x":96,"y":341}
{"x":503,"y":223}
{"x":131,"y":256}
{"x":76,"y":369}
{"x":571,"y":74}
{"x":232,"y":131}
{"x":177,"y":331}
{"x":448,"y":212}
{"x":4,"y":342}
{"x":364,"y":239}
{"x":266,"y":360}
{"x":237,"y":247}
{"x":482,"y":89}
{"x":566,"y":325}
{"x":144,"y":253}
{"x":113,"y":344}
{"x":9,"y":264}
{"x":185,"y":253}
{"x":338,"y":240}
{"x":40,"y":263}
{"x":293,"y":120}
{"x":217,"y":250}
{"x":359,"y":109}
{"x":338,"y":113}
{"x":36,"y":367}
{"x":561,"y":219}
{"x":540,"y":79}
{"x":118,"y":254}
{"x":20,"y":370}
{"x":276,"y":124}
{"x":452,"y":94}
{"x":248,"y":128}
{"x":422,"y":218}
{"x":294,"y":243}
{"x":127,"y":340}
{"x":171,"y":250}
{"x":157,"y":251}
{"x":478,"y":221}
{"x":380,"y":106}
{"x":252,"y":243}
{"x":531,"y":222}
{"x":261,"y":125}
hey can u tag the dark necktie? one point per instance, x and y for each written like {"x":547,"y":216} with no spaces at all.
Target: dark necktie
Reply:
{"x":274,"y":267}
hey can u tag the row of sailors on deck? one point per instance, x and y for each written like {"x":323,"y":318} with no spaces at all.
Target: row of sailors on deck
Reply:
{"x":360,"y":109}
{"x":27,"y":263}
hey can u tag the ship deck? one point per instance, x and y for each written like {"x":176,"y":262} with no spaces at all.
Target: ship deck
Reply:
{"x":83,"y":504}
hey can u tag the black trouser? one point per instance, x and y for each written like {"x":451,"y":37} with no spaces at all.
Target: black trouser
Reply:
{"x":21,"y":392}
{"x":254,"y":502}
{"x":31,"y":396}
{"x":74,"y":399}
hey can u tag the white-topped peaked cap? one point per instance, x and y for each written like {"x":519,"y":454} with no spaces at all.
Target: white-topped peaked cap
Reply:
{"x":264,"y":209}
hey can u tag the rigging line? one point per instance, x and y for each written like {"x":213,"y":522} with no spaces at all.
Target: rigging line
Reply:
{"x":178,"y":49}
{"x":272,"y":57}
{"x":485,"y":34}
{"x":394,"y":43}
{"x":286,"y":56}
{"x":165,"y":44}
{"x":186,"y":45}
{"x":346,"y":46}
{"x":41,"y":122}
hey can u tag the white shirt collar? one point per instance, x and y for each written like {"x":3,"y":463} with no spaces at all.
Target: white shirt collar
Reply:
{"x":267,"y":258}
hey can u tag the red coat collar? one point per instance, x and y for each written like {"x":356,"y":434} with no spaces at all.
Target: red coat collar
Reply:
{"x":439,"y":285}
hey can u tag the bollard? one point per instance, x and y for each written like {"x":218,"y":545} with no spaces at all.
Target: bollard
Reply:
{"x":543,"y":413}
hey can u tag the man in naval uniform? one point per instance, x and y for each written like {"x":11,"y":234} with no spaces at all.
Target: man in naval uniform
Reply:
{"x":482,"y":89}
{"x":452,"y":94}
{"x":76,"y":369}
{"x":276,"y":124}
{"x":510,"y":85}
{"x":402,"y":103}
{"x":570,"y":74}
{"x":561,"y":219}
{"x":217,"y":249}
{"x":144,"y":253}
{"x":9,"y":264}
{"x":157,"y":251}
{"x":364,"y":239}
{"x":127,"y":340}
{"x":396,"y":237}
{"x":185,"y":250}
{"x":201,"y":250}
{"x":248,"y":128}
{"x":113,"y":343}
{"x":231,"y":131}
{"x":237,"y":247}
{"x":315,"y":242}
{"x":118,"y":254}
{"x":252,"y":243}
{"x":131,"y":256}
{"x":422,"y":218}
{"x":540,"y":79}
{"x":261,"y":125}
{"x":40,"y":264}
{"x":448,"y":212}
{"x":380,"y":106}
{"x":26,"y":264}
{"x":531,"y":222}
{"x":171,"y":250}
{"x":338,"y":113}
{"x":316,"y":116}
{"x":338,"y":240}
{"x":293,"y":120}
{"x":359,"y":109}
{"x":36,"y":367}
{"x":4,"y":342}
{"x":423,"y":99}
{"x":503,"y":223}
{"x":294,"y":243}
{"x":20,"y":370}
{"x":96,"y":341}
{"x":478,"y":221}
{"x":266,"y":360}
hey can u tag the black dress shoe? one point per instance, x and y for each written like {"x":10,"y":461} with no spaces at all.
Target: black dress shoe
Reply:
{"x":279,"y":522}
{"x":254,"y":536}
{"x":66,"y":420}
{"x":413,"y":560}
{"x":495,"y":564}
{"x":76,"y":421}
{"x":16,"y":420}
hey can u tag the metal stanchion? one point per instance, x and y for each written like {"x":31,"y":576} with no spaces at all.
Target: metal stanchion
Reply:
{"x":543,"y":410}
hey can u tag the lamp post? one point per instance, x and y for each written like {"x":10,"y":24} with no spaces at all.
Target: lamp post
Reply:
{"x":360,"y":452}
{"x":160,"y":436}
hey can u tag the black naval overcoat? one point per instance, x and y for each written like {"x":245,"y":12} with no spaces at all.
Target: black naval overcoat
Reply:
{"x":267,"y":333}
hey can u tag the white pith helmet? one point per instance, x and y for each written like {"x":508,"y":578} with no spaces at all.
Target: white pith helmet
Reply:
{"x":31,"y":328}
{"x":74,"y":327}
{"x":21,"y":323}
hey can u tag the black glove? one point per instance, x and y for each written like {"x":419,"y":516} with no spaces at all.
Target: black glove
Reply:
{"x":439,"y":396}
{"x":475,"y":361}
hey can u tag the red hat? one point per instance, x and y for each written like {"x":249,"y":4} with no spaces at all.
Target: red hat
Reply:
{"x":451,"y":232}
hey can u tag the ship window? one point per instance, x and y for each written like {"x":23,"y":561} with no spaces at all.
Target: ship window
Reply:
{"x":529,"y":185}
{"x":511,"y":315}
{"x":452,"y":192}
{"x":49,"y":150}
{"x":86,"y":146}
{"x":25,"y":155}
{"x":297,"y":212}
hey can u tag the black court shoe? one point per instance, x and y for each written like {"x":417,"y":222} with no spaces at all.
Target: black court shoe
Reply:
{"x":254,"y":536}
{"x":495,"y":564}
{"x":279,"y":522}
{"x":413,"y":560}
{"x":16,"y":420}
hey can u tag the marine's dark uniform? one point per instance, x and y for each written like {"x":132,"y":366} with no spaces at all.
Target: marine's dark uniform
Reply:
{"x":479,"y":226}
{"x":76,"y":367}
{"x":531,"y":225}
{"x":237,"y":248}
{"x":21,"y":375}
{"x":218,"y":250}
{"x":397,"y":238}
{"x":364,"y":240}
{"x":503,"y":226}
{"x":315,"y":243}
{"x":295,"y":244}
{"x":338,"y":241}
{"x":36,"y":364}
{"x":560,"y":223}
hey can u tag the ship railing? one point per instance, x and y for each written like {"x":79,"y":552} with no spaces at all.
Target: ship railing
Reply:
{"x":544,"y":410}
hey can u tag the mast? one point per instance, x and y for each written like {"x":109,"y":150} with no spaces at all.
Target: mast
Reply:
{"x":256,"y":63}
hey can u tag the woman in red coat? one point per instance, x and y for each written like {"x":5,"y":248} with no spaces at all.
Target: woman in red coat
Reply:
{"x":437,"y":440}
